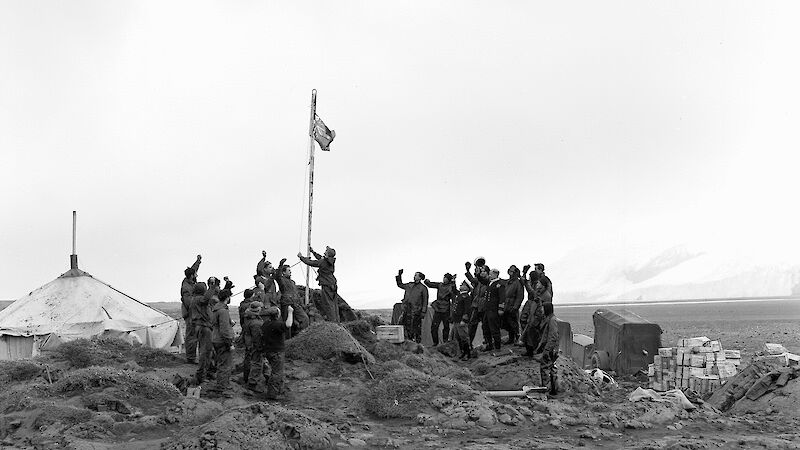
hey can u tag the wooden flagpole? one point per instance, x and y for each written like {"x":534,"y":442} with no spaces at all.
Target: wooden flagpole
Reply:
{"x":310,"y":186}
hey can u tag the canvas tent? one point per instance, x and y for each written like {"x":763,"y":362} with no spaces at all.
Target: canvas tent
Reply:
{"x":77,"y":305}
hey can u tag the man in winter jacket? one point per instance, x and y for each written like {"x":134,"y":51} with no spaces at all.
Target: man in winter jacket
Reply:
{"x":222,"y":339}
{"x":494,"y":309}
{"x":326,"y":265}
{"x":243,"y":306}
{"x":187,"y":286}
{"x":480,"y":285}
{"x":201,"y":320}
{"x":461,"y":310}
{"x":546,"y":352}
{"x":266,"y":290}
{"x":273,"y":336}
{"x":532,"y":314}
{"x":415,"y":304}
{"x":289,"y":297}
{"x":445,"y":293}
{"x":544,"y":279}
{"x":254,"y":357}
{"x":514,"y":294}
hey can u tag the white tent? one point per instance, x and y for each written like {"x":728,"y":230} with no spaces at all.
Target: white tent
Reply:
{"x":77,"y":305}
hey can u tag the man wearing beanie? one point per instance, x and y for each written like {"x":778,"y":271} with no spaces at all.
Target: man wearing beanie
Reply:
{"x":480,"y":285}
{"x":187,"y":286}
{"x":445,"y":292}
{"x":222,"y":338}
{"x":325,"y":264}
{"x":415,"y":304}
{"x":254,"y":358}
{"x":273,"y":335}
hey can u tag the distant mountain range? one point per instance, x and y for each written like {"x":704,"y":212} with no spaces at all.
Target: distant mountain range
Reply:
{"x":676,"y":273}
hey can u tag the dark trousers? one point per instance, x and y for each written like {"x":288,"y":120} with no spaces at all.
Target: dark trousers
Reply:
{"x":440,"y":318}
{"x":224,"y":360}
{"x":492,"y":323}
{"x":510,"y":323}
{"x":275,"y":381}
{"x":413,"y":325}
{"x":474,"y":318}
{"x":248,"y":352}
{"x":190,"y":341}
{"x":205,"y":350}
{"x":330,"y":306}
{"x":254,"y":366}
{"x":547,"y":370}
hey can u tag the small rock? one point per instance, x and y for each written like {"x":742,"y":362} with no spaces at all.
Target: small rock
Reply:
{"x":505,"y":419}
{"x":355,"y":442}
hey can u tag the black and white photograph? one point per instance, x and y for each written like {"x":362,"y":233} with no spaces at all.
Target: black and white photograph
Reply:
{"x":401,"y":224}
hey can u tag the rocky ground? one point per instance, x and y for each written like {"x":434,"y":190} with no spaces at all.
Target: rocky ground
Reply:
{"x":348,"y":390}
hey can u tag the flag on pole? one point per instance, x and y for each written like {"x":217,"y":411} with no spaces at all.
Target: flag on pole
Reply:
{"x":322,"y":134}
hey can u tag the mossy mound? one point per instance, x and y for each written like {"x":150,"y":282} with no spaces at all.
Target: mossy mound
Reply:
{"x":107,"y":351}
{"x":405,"y":393}
{"x":260,"y":425}
{"x":93,"y":379}
{"x":326,"y":340}
{"x":16,"y":371}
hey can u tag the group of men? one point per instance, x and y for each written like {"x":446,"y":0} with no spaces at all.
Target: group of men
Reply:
{"x":270,"y":313}
{"x":494,"y":303}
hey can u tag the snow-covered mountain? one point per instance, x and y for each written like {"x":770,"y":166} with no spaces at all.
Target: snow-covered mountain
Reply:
{"x":680,"y":272}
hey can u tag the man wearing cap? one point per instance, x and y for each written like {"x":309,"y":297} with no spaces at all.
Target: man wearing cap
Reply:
{"x":445,"y":292}
{"x":254,"y":357}
{"x":326,"y":265}
{"x":222,"y":339}
{"x":273,"y":335}
{"x":187,"y":286}
{"x":289,"y":297}
{"x":415,"y":304}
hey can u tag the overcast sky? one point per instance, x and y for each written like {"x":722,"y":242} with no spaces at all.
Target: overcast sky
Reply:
{"x":516,"y":130}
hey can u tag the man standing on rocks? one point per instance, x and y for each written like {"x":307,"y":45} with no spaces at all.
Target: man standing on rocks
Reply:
{"x":415,"y":304}
{"x":187,"y":287}
{"x":480,"y":284}
{"x":461,"y":309}
{"x":494,"y":308}
{"x":243,"y":318}
{"x":547,"y":351}
{"x":273,"y":334}
{"x":222,"y":339}
{"x":445,"y":292}
{"x":289,"y":297}
{"x":544,"y":279}
{"x":253,"y":342}
{"x":326,"y":265}
{"x":201,"y":320}
{"x":266,"y":290}
{"x":514,"y":293}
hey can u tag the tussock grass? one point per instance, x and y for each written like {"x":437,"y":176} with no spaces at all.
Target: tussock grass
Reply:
{"x":405,"y":392}
{"x":97,"y":378}
{"x":326,"y":340}
{"x":16,"y":371}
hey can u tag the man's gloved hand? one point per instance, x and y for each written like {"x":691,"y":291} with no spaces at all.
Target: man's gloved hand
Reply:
{"x":526,"y":268}
{"x":400,"y":272}
{"x":468,"y":265}
{"x":283,"y":260}
{"x":299,"y":255}
{"x":199,"y":257}
{"x":264,"y":253}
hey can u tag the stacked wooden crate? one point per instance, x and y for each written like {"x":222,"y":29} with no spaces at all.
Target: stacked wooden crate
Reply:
{"x":698,"y":363}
